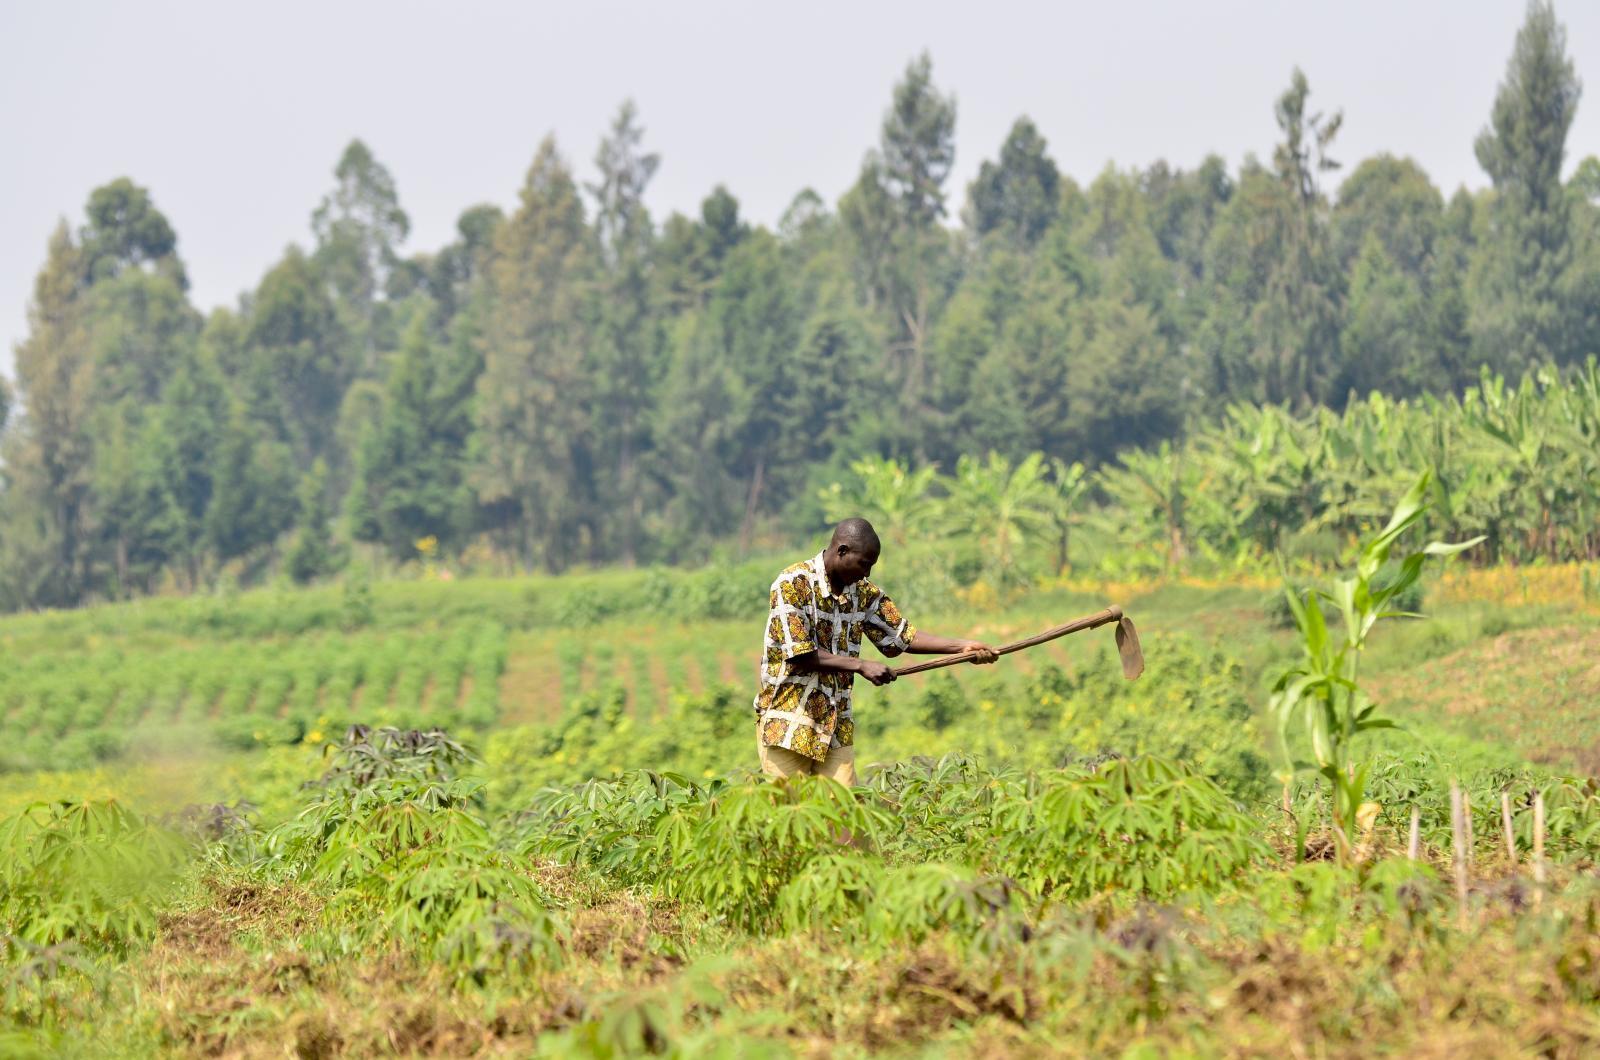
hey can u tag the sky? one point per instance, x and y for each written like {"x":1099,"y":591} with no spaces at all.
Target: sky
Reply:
{"x":234,"y":114}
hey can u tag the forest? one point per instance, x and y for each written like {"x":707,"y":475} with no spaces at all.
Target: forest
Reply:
{"x":576,"y":382}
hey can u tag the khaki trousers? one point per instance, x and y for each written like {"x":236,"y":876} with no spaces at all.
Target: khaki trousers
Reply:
{"x":840,"y":764}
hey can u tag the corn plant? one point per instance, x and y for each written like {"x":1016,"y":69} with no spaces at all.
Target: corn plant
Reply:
{"x":1323,"y":691}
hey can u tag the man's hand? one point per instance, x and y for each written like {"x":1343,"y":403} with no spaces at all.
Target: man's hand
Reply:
{"x":876,"y":672}
{"x":985,"y":653}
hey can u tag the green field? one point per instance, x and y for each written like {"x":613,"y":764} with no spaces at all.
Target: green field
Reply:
{"x":1048,"y":859}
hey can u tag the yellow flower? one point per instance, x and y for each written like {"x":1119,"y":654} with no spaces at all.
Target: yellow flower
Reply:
{"x":986,"y":704}
{"x":314,"y":736}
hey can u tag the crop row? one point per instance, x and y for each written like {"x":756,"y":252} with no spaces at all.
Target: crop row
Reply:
{"x":261,"y":691}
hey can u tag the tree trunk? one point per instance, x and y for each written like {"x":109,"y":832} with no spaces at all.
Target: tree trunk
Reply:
{"x":751,"y":504}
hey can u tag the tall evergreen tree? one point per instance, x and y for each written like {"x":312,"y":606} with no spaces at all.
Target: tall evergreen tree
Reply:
{"x":1271,"y":329}
{"x":1522,"y":313}
{"x":532,"y":445}
{"x":296,"y":358}
{"x":253,"y":488}
{"x":892,"y":216}
{"x":47,"y":518}
{"x":410,"y":470}
{"x":918,"y":144}
{"x":359,"y":227}
{"x":1019,"y":194}
{"x":626,"y":362}
{"x":312,"y":555}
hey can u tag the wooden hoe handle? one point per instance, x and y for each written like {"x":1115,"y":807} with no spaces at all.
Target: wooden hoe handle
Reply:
{"x":1099,"y":618}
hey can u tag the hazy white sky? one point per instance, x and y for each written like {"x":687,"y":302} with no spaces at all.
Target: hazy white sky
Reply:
{"x":234,"y":114}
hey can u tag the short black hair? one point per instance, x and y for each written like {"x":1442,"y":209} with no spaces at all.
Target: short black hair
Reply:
{"x":858,"y":534}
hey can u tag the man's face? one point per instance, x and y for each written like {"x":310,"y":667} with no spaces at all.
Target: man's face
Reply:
{"x":852,"y":564}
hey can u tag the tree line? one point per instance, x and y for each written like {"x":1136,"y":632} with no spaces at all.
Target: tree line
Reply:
{"x":574,"y":382}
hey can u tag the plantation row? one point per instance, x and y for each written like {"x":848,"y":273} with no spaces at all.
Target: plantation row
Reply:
{"x":249,"y":693}
{"x":518,"y":602}
{"x":77,"y":687}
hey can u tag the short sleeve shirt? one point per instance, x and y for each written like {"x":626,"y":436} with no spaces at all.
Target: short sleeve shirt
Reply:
{"x":810,"y":712}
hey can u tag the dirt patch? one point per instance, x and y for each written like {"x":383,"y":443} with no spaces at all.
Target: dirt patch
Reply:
{"x":658,"y":680}
{"x":728,"y":669}
{"x":1532,"y":689}
{"x":210,"y":931}
{"x":643,"y":940}
{"x":530,"y":687}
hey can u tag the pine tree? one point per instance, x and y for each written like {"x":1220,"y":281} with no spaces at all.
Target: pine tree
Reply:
{"x":409,"y":479}
{"x":1019,"y":194}
{"x":46,"y":510}
{"x":295,"y":361}
{"x":359,"y":228}
{"x":626,"y":350}
{"x":253,"y":492}
{"x":312,"y":554}
{"x":1521,"y":315}
{"x":531,"y":447}
{"x":1385,"y":342}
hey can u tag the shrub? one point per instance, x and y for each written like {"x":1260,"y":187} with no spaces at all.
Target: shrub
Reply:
{"x":89,"y":871}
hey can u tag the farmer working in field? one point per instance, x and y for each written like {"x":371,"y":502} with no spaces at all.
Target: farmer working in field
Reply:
{"x":820,"y":608}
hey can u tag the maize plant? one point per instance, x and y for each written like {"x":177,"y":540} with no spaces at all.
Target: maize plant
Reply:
{"x":1323,"y":690}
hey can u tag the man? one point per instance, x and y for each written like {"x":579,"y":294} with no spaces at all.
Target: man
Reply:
{"x":819,"y":611}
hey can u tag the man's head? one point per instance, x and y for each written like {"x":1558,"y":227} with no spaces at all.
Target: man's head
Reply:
{"x":851,"y":552}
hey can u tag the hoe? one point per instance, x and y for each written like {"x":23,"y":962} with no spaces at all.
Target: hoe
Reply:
{"x":1127,"y":643}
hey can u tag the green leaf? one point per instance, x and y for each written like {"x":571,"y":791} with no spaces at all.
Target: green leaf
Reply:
{"x":1440,"y":548}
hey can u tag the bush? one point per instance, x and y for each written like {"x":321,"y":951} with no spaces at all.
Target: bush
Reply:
{"x":89,"y":871}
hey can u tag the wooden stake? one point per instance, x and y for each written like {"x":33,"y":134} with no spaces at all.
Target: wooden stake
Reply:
{"x":1511,"y":836}
{"x":1414,"y":847}
{"x":1538,"y":847}
{"x":1458,"y":835}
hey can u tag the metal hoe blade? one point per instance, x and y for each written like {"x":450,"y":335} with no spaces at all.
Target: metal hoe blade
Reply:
{"x":1128,"y":648}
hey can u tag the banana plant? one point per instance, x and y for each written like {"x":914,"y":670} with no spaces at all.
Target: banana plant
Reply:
{"x":1323,"y":690}
{"x":1001,"y":509}
{"x":896,"y":498}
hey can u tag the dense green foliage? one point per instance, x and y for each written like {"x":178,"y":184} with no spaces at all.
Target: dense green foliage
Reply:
{"x":1519,"y":466}
{"x":574,"y":382}
{"x":963,"y":899}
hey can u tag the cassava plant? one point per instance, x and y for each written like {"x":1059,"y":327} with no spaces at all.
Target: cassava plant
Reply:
{"x":1323,"y":691}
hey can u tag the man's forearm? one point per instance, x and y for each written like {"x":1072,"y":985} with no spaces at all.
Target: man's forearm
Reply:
{"x":931,"y":644}
{"x":819,"y":660}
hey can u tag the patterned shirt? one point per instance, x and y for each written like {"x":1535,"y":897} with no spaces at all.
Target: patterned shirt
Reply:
{"x":810,"y":712}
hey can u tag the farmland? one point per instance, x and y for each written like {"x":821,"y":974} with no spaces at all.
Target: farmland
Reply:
{"x":1046,"y":857}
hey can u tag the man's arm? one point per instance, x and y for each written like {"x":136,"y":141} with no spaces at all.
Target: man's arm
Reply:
{"x":818,"y":661}
{"x":925,"y":643}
